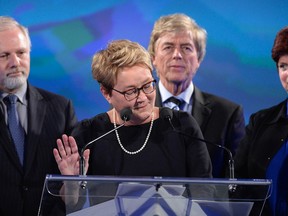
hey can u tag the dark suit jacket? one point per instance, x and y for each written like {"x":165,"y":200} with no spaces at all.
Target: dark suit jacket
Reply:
{"x":49,"y":116}
{"x":221,"y":121}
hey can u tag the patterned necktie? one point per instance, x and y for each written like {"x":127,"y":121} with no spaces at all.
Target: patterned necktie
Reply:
{"x":15,"y":128}
{"x":174,"y":103}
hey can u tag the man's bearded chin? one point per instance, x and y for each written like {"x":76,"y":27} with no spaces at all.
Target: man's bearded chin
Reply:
{"x":12,"y":83}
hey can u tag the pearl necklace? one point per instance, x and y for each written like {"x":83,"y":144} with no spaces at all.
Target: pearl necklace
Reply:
{"x":146,"y":140}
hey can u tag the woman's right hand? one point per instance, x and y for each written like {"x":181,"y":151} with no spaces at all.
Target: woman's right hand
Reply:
{"x":67,"y":156}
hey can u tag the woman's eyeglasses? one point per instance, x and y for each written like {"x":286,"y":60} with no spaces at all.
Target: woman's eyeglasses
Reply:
{"x":133,"y":93}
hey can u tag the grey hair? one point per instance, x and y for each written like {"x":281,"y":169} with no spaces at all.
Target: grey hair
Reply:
{"x":7,"y":22}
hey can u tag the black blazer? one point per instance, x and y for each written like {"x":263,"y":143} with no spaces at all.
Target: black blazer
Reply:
{"x":266,"y":133}
{"x":49,"y":116}
{"x":221,"y":122}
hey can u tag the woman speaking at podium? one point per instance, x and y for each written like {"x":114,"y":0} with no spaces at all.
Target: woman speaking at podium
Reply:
{"x":146,"y":145}
{"x":133,"y":138}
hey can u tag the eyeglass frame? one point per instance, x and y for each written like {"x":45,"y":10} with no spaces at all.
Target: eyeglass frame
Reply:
{"x":124,"y":93}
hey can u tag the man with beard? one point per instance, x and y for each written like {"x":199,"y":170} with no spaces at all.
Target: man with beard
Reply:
{"x":31,"y":119}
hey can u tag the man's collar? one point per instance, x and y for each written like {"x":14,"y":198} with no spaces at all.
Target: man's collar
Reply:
{"x":185,"y":95}
{"x":21,"y":94}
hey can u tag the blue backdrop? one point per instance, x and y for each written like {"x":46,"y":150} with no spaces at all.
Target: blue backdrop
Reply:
{"x":66,"y":33}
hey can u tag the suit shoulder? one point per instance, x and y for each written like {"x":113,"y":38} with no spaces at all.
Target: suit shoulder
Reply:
{"x":220,"y":101}
{"x":47,"y":95}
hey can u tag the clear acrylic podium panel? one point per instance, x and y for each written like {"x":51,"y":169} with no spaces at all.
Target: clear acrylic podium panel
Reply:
{"x":121,"y":196}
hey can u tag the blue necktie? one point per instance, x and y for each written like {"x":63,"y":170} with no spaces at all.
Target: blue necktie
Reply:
{"x":174,"y":103}
{"x":16,"y":129}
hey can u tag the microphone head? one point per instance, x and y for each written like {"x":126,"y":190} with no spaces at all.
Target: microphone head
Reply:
{"x":126,"y":114}
{"x":166,"y":113}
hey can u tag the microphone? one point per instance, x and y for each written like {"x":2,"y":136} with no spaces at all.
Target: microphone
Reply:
{"x":125,"y":115}
{"x":167,"y":113}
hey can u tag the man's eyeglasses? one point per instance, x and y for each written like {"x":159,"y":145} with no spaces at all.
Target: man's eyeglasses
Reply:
{"x":133,"y":93}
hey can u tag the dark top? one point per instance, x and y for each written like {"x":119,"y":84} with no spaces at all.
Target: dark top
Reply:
{"x":266,"y":134}
{"x":167,"y":153}
{"x":221,"y":122}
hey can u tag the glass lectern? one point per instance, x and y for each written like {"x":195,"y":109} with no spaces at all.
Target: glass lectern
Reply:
{"x":121,"y":196}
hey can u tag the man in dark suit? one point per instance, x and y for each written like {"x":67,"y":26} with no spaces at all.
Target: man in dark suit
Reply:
{"x":43,"y":117}
{"x":177,"y":47}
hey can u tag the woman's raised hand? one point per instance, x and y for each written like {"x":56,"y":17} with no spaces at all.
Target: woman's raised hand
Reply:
{"x":67,"y":156}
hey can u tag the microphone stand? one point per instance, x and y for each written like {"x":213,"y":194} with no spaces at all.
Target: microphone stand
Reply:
{"x":167,"y":113}
{"x":231,"y":160}
{"x":125,"y":116}
{"x":82,"y":159}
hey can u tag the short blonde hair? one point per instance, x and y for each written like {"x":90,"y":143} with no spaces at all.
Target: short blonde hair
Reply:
{"x":119,"y":54}
{"x":7,"y":22}
{"x":179,"y":22}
